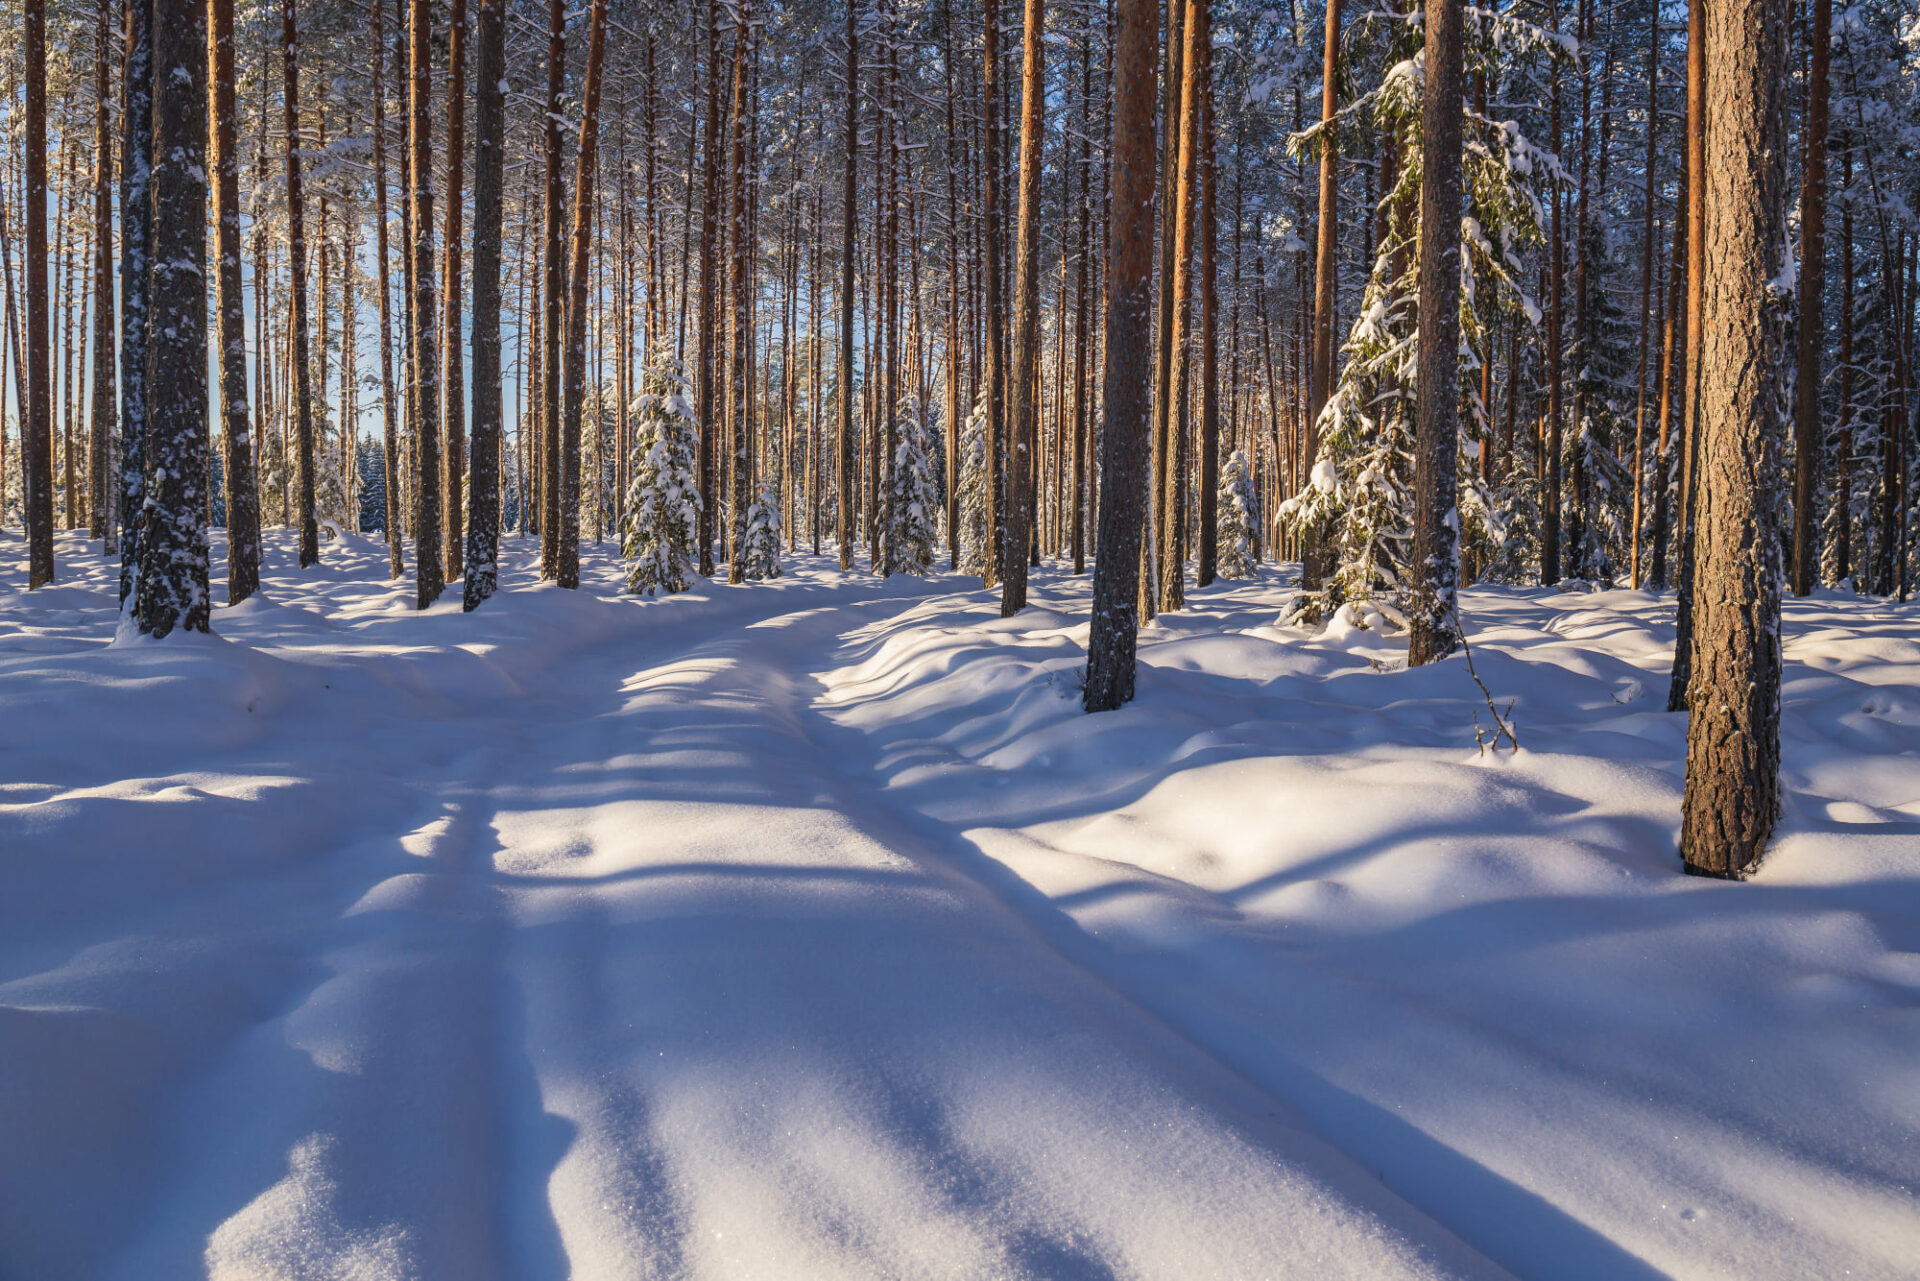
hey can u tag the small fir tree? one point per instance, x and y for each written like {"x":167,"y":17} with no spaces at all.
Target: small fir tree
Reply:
{"x":663,"y":498}
{"x":975,"y":543}
{"x":760,"y":549}
{"x":915,"y":499}
{"x":1238,"y":511}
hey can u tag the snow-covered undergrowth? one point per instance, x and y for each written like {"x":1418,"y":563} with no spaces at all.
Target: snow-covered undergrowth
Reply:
{"x":809,"y":930}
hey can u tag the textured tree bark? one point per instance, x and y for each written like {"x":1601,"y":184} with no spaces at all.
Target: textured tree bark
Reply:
{"x":567,"y":564}
{"x":428,"y":565}
{"x":297,"y":261}
{"x":1733,"y":737}
{"x":173,"y":541}
{"x":1813,"y":280}
{"x":453,"y":389}
{"x":36,"y":436}
{"x":1326,"y":269}
{"x":1843,"y":479}
{"x":1432,"y":631}
{"x":243,"y":494}
{"x":1026,"y":316}
{"x":100,"y":510}
{"x":389,"y":414}
{"x":136,"y":228}
{"x":1124,"y":472}
{"x":489,"y":159}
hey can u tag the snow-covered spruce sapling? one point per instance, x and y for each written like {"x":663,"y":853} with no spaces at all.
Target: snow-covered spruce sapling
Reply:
{"x":663,"y":496}
{"x":1238,"y":511}
{"x":916,"y":503}
{"x":975,"y":541}
{"x":760,"y":546}
{"x":1359,"y":502}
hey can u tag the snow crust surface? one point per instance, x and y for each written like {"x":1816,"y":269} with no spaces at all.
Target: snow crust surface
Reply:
{"x":809,"y":929}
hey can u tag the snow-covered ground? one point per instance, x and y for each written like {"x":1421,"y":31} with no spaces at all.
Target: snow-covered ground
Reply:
{"x":808,"y":929}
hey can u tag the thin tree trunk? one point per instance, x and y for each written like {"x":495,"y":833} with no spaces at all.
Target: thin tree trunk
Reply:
{"x":489,"y":156}
{"x":389,"y":415}
{"x":706,"y":371}
{"x":843,"y":433}
{"x":1026,"y":317}
{"x":36,"y":454}
{"x":453,"y":390}
{"x":1813,"y":280}
{"x":100,"y":508}
{"x":1690,"y":412}
{"x":1313,"y":557}
{"x":1209,"y":488}
{"x":297,"y":261}
{"x":243,"y":495}
{"x":741,"y":335}
{"x":556,"y":288}
{"x":567,"y":568}
{"x":1433,"y":630}
{"x":428,"y":563}
{"x":1646,"y":294}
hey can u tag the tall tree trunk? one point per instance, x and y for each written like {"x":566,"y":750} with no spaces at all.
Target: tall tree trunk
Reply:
{"x":1673,"y":374}
{"x":1024,"y":423}
{"x":136,"y":225}
{"x":243,"y":494}
{"x":389,"y":416}
{"x":1646,"y":295}
{"x":1813,"y":281}
{"x":843,"y":428}
{"x":568,"y":566}
{"x":453,"y":390}
{"x":1177,"y":343}
{"x":1556,"y":293}
{"x":1733,"y":736}
{"x":1843,"y":478}
{"x":706,"y":363}
{"x":1209,"y":488}
{"x":489,"y":158}
{"x":741,"y":336}
{"x":1433,"y":631}
{"x":1689,"y":441}
{"x":36,"y":454}
{"x":556,"y":288}
{"x":1326,"y":269}
{"x":297,"y":260}
{"x":428,"y":564}
{"x":100,"y":508}
{"x":173,"y":542}
{"x":1127,"y":404}
{"x":994,"y":351}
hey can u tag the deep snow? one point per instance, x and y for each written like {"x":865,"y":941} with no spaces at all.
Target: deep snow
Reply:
{"x":808,"y":929}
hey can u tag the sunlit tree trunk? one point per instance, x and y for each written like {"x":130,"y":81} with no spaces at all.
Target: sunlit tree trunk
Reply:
{"x":489,"y":157}
{"x":428,"y":564}
{"x":1733,"y":734}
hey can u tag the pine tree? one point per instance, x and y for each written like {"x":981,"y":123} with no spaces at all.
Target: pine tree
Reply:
{"x":663,"y":497}
{"x":916,"y":501}
{"x":759,"y":554}
{"x":1359,"y":503}
{"x":1239,"y":517}
{"x":976,"y":481}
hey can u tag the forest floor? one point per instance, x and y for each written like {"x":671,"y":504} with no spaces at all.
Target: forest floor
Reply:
{"x":809,"y":929}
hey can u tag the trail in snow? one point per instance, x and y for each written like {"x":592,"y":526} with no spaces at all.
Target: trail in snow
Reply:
{"x":808,"y":930}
